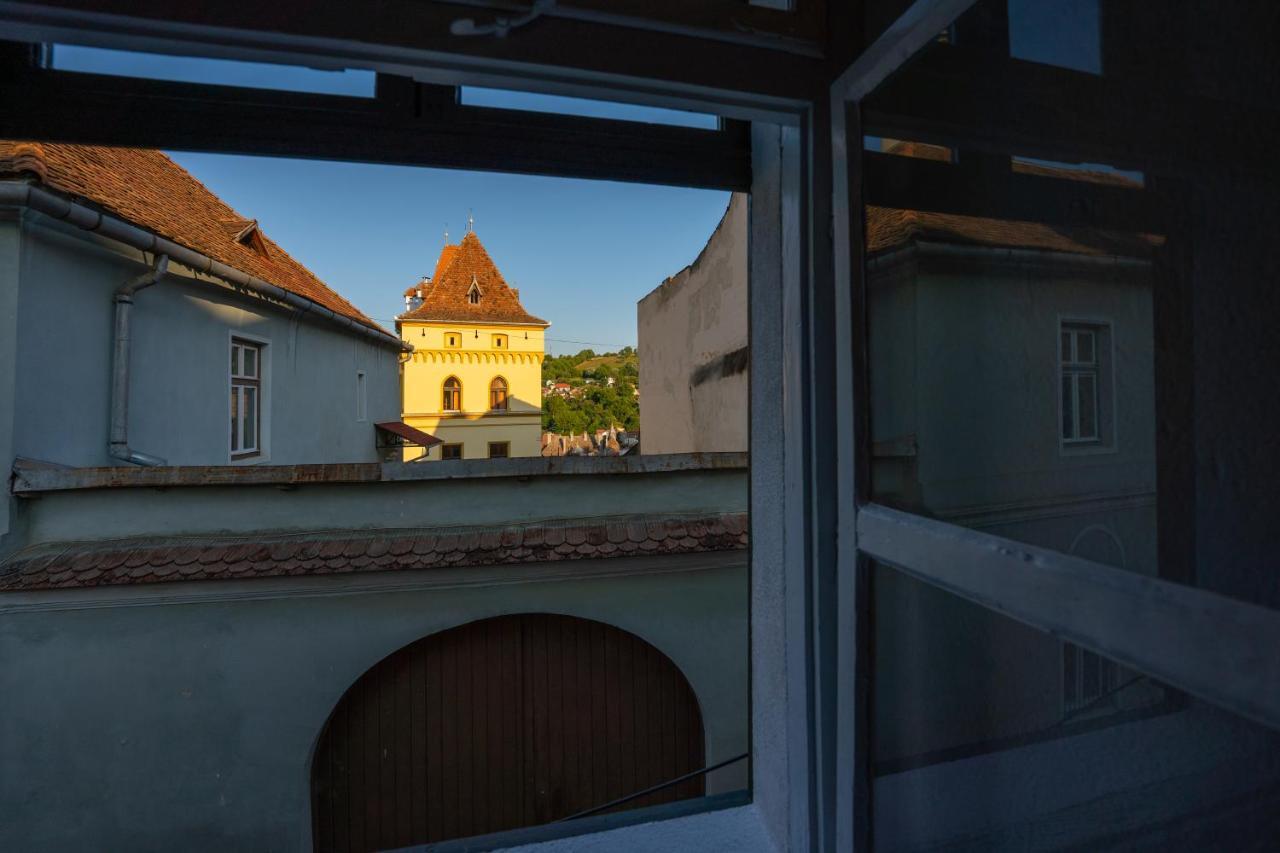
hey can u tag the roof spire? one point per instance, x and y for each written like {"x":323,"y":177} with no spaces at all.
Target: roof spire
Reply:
{"x":446,"y":233}
{"x":471,"y":222}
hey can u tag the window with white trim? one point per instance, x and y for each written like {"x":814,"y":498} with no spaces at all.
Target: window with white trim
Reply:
{"x":1080,"y":382}
{"x":246,"y":398}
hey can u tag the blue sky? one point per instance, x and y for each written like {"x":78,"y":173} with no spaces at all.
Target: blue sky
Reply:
{"x":581,"y":252}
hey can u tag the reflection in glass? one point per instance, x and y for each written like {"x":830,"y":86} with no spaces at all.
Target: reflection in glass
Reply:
{"x":989,"y":735}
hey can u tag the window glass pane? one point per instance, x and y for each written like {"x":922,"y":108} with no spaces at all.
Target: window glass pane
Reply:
{"x":235,"y":419}
{"x":250,"y":418}
{"x":1068,"y":407}
{"x":1084,"y":346}
{"x":1088,"y":394}
{"x":250,"y":361}
{"x":984,"y":739}
{"x":235,"y":359}
{"x":990,"y":733}
{"x":254,"y":75}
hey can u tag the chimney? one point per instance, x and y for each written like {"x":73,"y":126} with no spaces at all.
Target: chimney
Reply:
{"x":412,"y":302}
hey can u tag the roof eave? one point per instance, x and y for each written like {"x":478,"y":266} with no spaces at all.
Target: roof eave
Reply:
{"x":53,"y":203}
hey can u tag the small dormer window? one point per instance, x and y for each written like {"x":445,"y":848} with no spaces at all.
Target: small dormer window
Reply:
{"x":473,"y":293}
{"x":251,"y":237}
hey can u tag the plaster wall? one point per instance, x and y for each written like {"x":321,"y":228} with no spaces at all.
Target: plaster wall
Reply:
{"x":179,"y":383}
{"x":689,"y":399}
{"x":475,"y":361}
{"x":964,"y":362}
{"x":141,"y":716}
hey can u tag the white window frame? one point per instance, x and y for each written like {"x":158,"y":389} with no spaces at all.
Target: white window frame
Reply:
{"x":261,"y":452}
{"x":1071,"y":368}
{"x":264,"y":398}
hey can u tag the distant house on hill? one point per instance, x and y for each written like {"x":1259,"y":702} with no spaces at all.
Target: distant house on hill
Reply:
{"x":474,"y":380}
{"x":144,"y":321}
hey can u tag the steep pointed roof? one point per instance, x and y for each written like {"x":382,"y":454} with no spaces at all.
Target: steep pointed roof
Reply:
{"x":444,"y":298}
{"x":146,"y":188}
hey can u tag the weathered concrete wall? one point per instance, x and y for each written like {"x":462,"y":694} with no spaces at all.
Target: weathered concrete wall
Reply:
{"x":692,"y":332}
{"x":179,"y":385}
{"x":183,"y":716}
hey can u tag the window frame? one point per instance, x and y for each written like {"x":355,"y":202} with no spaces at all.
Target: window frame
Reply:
{"x":506,"y":449}
{"x":450,"y":446}
{"x":500,"y":341}
{"x":506,"y":394}
{"x":451,"y":342}
{"x":812,"y":529}
{"x":1106,"y":403}
{"x":238,"y":383}
{"x":1188,"y":638}
{"x":445,"y":394}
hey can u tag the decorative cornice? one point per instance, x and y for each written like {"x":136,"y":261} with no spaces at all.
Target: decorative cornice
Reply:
{"x":474,"y":416}
{"x":463,"y":356}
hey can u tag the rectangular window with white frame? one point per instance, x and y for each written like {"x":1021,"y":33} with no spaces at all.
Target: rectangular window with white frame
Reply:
{"x":246,"y":399}
{"x":1084,"y":383}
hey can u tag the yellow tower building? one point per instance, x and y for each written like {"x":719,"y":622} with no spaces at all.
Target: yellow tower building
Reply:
{"x":474,"y":379}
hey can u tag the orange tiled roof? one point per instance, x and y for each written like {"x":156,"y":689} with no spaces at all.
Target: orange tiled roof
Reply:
{"x":445,"y":296}
{"x":151,"y":191}
{"x":219,"y":558}
{"x":888,"y":228}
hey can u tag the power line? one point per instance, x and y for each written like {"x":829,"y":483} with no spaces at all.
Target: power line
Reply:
{"x":555,"y":340}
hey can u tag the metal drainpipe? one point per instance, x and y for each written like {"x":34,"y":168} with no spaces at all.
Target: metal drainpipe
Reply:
{"x":119,"y":443}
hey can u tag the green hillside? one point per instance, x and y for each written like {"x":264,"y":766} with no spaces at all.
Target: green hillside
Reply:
{"x":592,"y":403}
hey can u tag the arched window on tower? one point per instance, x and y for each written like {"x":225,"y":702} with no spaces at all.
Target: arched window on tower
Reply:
{"x":452,"y":401}
{"x":498,"y":394}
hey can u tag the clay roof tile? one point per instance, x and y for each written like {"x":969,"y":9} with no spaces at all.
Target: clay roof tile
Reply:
{"x":147,"y":188}
{"x":446,"y":298}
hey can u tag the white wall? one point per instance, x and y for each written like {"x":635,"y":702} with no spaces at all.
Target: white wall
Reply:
{"x":691,"y":397}
{"x":179,"y":386}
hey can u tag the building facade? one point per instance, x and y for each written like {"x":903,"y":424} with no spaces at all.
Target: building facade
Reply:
{"x":474,"y":379}
{"x":231,"y":353}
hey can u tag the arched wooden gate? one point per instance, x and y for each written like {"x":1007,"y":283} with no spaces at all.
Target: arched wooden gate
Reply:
{"x":507,"y":722}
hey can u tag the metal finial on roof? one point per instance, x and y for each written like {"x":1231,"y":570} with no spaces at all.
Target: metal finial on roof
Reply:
{"x":446,"y":233}
{"x":471,"y":222}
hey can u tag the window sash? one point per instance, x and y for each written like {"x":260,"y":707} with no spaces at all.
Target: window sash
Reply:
{"x":451,"y":399}
{"x":498,"y":396}
{"x":1189,"y":638}
{"x":246,"y":417}
{"x":246,"y":398}
{"x":246,"y":360}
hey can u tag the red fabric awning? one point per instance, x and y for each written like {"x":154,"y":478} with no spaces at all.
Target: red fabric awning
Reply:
{"x":409,"y":434}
